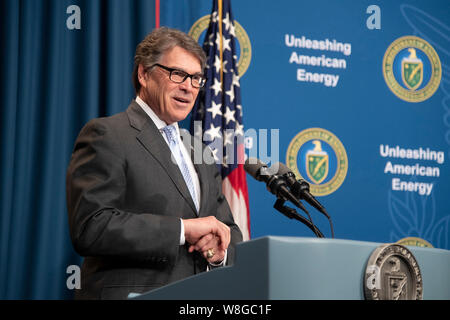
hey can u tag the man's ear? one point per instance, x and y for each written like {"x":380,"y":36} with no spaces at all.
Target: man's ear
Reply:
{"x":142,"y":76}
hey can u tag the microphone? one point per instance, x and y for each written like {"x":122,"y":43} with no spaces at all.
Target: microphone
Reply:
{"x":300,"y":189}
{"x":275,"y":183}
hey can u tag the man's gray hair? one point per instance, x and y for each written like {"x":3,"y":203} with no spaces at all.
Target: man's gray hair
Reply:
{"x":158,"y":42}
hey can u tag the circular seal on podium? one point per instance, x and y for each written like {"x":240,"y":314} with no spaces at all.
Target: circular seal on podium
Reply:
{"x":392,"y":273}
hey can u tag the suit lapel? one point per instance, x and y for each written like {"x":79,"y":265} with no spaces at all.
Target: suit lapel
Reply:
{"x":204,"y":187}
{"x":150,"y":137}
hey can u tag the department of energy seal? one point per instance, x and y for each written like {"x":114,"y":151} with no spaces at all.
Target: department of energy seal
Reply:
{"x":414,"y":241}
{"x":245,"y":54}
{"x":319,"y":157}
{"x":412,"y":69}
{"x":392,"y":273}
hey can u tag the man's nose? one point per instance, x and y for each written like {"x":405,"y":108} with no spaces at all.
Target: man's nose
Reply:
{"x":186,"y":84}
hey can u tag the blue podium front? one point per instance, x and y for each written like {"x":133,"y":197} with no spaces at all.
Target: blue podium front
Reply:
{"x":290,"y":268}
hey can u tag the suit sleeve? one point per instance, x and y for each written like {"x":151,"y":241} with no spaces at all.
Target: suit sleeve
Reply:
{"x":95,"y":186}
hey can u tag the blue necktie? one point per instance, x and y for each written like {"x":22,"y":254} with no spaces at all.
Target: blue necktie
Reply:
{"x":171,"y":134}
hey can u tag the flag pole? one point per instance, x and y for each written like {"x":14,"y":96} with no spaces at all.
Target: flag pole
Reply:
{"x":221,"y":42}
{"x":157,"y":6}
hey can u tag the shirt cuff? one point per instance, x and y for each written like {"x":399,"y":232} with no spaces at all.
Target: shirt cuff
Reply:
{"x":220,"y":264}
{"x":182,"y":238}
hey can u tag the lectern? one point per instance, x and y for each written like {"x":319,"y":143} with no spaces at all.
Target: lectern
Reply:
{"x":291,"y":268}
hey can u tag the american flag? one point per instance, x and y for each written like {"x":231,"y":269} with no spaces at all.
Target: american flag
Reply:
{"x":220,"y":111}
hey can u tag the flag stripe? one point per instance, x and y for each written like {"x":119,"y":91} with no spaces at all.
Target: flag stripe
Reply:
{"x":239,"y":207}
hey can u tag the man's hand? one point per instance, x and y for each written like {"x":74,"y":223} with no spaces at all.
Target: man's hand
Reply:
{"x":209,"y":242}
{"x":195,"y":229}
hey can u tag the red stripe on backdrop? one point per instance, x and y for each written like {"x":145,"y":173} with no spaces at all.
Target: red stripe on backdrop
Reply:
{"x":156,"y":14}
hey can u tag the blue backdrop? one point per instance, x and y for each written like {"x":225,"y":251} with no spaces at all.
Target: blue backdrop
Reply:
{"x":336,"y":72}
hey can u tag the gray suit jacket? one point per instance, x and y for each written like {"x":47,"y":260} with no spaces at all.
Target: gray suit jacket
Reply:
{"x":125,"y":198}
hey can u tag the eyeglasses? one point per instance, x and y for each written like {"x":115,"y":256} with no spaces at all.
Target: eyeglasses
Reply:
{"x":179,"y":76}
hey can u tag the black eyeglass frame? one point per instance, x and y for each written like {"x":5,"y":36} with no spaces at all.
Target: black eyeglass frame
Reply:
{"x":201,"y":82}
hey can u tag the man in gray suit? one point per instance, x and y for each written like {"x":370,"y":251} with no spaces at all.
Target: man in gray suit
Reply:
{"x":141,"y":212}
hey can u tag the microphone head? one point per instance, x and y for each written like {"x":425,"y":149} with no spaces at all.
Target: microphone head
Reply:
{"x":282,"y":168}
{"x":252,"y":166}
{"x":259,"y":170}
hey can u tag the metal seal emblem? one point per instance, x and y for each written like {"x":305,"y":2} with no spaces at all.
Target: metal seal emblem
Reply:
{"x":392,"y":273}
